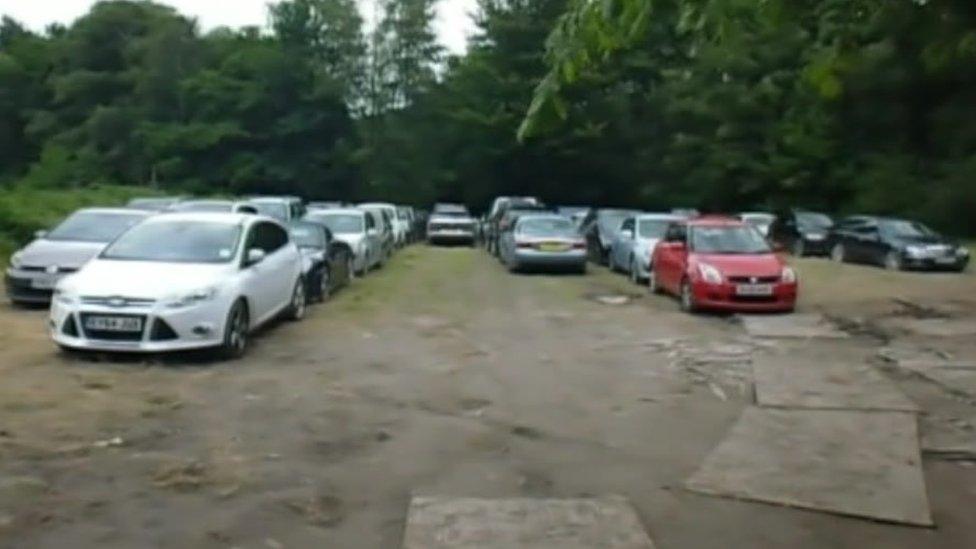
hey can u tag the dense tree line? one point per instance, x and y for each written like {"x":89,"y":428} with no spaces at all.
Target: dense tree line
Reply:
{"x":721,"y":104}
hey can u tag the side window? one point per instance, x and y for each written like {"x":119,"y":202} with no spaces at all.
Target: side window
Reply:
{"x":297,"y":210}
{"x":628,"y":225}
{"x":269,"y":237}
{"x":676,"y":233}
{"x":370,"y":222}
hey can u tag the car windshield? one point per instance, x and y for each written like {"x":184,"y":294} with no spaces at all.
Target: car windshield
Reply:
{"x":652,"y":228}
{"x":547,"y":227}
{"x":204,"y":206}
{"x":308,"y":236}
{"x":340,"y":223}
{"x":151,"y":203}
{"x":94,"y":227}
{"x":276,"y":210}
{"x":612,"y":220}
{"x":812,"y":220}
{"x":728,"y":239}
{"x":905,"y":229}
{"x":451,"y":211}
{"x":177,"y":241}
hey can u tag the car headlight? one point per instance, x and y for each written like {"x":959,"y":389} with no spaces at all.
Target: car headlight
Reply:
{"x":815,"y":236}
{"x":191,"y":298}
{"x":709,"y":273}
{"x":914,"y":251}
{"x":962,"y":252}
{"x":788,"y":275}
{"x":16,"y":260}
{"x":64,"y":297}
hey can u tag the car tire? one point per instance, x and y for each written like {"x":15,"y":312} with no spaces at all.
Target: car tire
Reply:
{"x":350,"y":269}
{"x":893,"y":262}
{"x":799,"y":249}
{"x":652,"y":285}
{"x":298,"y":305}
{"x":838,"y":253}
{"x":236,"y":332}
{"x":687,"y":297}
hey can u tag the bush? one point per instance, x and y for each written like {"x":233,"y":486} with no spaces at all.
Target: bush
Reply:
{"x":24,"y":210}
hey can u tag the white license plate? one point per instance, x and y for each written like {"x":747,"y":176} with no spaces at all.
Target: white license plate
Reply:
{"x":44,"y":283}
{"x":113,"y":323}
{"x":754,"y":289}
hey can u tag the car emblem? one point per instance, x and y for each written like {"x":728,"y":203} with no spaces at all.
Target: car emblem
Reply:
{"x":116,"y":302}
{"x":53,"y":269}
{"x":753,"y":280}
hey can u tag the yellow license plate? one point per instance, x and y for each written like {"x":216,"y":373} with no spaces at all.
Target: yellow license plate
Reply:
{"x":553,"y":247}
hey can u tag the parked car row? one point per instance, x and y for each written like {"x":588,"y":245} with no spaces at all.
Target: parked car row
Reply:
{"x":717,"y":262}
{"x":171,"y":274}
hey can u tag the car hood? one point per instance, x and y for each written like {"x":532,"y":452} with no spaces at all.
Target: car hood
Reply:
{"x":143,"y":279}
{"x":743,"y":264}
{"x":63,"y":253}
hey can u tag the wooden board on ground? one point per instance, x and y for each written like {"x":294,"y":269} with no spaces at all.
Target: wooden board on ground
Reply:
{"x":862,"y":464}
{"x":806,"y":381}
{"x":467,"y":523}
{"x":796,"y":326}
{"x":935,"y":327}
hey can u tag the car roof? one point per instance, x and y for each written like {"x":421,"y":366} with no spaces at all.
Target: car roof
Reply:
{"x":715,"y":221}
{"x":377,"y":205}
{"x":230,"y":218}
{"x":115,"y":211}
{"x":328,"y":211}
{"x":523,"y":217}
{"x":658,"y":217}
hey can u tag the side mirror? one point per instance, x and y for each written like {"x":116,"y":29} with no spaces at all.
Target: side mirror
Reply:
{"x":255,"y":256}
{"x":40,"y":234}
{"x":627,"y":233}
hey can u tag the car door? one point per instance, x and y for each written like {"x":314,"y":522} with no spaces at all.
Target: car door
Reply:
{"x":256,"y":275}
{"x":861,"y":242}
{"x":623,"y":243}
{"x":671,"y":257}
{"x":279,"y":266}
{"x":873,"y":247}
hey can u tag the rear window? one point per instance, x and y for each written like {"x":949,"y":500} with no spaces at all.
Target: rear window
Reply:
{"x":94,"y":227}
{"x":546,"y":226}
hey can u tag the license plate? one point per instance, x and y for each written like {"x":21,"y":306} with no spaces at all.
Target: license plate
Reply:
{"x":113,"y":323}
{"x":44,"y":283}
{"x":551,"y":247}
{"x":946,"y":260}
{"x":754,"y":289}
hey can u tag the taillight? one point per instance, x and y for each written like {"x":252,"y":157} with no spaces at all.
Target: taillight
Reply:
{"x":579,"y":245}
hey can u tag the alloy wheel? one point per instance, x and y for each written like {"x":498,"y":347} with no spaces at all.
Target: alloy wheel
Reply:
{"x":798,"y":247}
{"x":837,"y":253}
{"x":687,"y":298}
{"x":238,"y":331}
{"x":634,"y":275}
{"x":325,"y":284}
{"x":298,"y":302}
{"x":892,"y":261}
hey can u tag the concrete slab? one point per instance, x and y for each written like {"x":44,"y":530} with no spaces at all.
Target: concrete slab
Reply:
{"x":956,"y":380}
{"x":935,"y":327}
{"x":806,"y":381}
{"x":799,"y":325}
{"x":861,"y":464}
{"x":467,"y":523}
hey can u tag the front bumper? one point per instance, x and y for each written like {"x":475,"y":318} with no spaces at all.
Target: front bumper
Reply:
{"x":931,"y":264}
{"x":31,"y":287}
{"x":163,"y":329}
{"x":449,"y":235}
{"x":723,"y":297}
{"x":535,"y":258}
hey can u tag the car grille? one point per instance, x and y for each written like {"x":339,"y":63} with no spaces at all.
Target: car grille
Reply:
{"x":39,"y":269}
{"x":117,"y":302}
{"x":161,"y":331}
{"x":753,"y":279}
{"x":105,"y":335}
{"x":450,"y":226}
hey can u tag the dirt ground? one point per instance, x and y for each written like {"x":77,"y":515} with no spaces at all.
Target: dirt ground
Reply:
{"x":440,"y":375}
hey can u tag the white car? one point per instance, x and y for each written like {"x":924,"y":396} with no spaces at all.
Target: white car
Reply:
{"x":399,"y":227}
{"x":182,"y":281}
{"x":633,"y":245}
{"x":357,"y":228}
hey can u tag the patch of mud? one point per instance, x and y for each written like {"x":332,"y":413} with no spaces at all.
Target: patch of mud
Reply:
{"x":527,"y":432}
{"x":186,"y":476}
{"x":322,"y":510}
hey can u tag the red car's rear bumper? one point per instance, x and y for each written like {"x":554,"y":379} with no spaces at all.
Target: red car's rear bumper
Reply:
{"x":723,"y":297}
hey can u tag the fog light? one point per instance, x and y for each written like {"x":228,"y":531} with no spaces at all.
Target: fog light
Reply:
{"x":203,"y":329}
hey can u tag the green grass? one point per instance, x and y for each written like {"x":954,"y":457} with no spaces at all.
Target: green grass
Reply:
{"x":24,"y":211}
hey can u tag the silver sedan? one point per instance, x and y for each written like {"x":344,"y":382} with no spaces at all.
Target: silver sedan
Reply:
{"x":543,"y":241}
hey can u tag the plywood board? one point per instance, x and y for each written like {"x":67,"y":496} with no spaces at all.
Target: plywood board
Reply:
{"x":798,"y":326}
{"x":807,"y":381}
{"x":862,"y":464}
{"x":468,"y":523}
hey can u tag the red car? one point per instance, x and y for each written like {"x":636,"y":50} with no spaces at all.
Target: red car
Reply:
{"x":721,"y":264}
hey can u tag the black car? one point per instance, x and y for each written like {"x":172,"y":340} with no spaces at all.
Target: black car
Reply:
{"x":600,"y":227}
{"x":896,"y":244}
{"x":802,"y":232}
{"x":326,"y":262}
